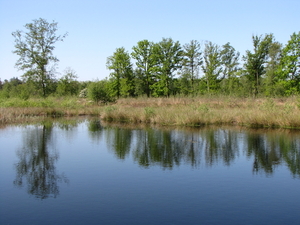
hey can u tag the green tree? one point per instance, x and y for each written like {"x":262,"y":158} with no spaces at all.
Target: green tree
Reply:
{"x":212,"y":66}
{"x":271,"y":76}
{"x":67,"y":84}
{"x":255,"y":62}
{"x":289,"y":68}
{"x":122,"y":75}
{"x":191,"y":63}
{"x":230,"y":63}
{"x":35,"y":49}
{"x":168,"y":56}
{"x":143,"y":54}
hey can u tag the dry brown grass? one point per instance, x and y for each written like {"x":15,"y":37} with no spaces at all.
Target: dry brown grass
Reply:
{"x":264,"y":112}
{"x":284,"y":112}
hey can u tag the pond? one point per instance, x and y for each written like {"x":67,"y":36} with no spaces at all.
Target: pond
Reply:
{"x":89,"y":172}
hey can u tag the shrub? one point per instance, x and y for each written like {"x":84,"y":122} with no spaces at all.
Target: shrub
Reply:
{"x":99,"y":92}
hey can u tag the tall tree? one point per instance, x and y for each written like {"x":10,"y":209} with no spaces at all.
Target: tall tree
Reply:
{"x":255,"y":62}
{"x":145,"y":62}
{"x":212,"y":65}
{"x":192,"y":61}
{"x":230,"y":62}
{"x":35,"y":49}
{"x":290,"y":62}
{"x":272,"y":67}
{"x":122,"y":74}
{"x":168,"y":56}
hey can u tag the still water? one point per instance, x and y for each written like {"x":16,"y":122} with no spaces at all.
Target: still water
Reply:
{"x":87,"y":172}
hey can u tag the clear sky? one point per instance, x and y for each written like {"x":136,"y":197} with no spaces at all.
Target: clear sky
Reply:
{"x":97,"y":27}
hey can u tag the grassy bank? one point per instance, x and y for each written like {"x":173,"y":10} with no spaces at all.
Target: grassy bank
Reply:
{"x":265,"y":112}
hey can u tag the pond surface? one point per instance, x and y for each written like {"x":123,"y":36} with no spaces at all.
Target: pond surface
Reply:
{"x":87,"y":172}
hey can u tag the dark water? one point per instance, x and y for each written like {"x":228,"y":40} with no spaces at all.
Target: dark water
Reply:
{"x":85,"y":172}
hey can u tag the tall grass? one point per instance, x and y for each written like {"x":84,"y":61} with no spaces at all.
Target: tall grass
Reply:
{"x":265,"y":112}
{"x":17,"y":110}
{"x":196,"y":111}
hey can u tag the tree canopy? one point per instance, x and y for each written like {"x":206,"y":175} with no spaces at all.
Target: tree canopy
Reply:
{"x":35,"y":50}
{"x":158,"y":69}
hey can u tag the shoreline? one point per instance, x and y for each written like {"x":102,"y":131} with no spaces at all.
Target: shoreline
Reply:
{"x":175,"y":111}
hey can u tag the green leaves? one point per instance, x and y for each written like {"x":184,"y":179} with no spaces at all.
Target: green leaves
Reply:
{"x":191,"y":62}
{"x":168,"y":55}
{"x":122,"y":74}
{"x":100,"y":92}
{"x":230,"y":60}
{"x":255,"y":62}
{"x":145,"y":62}
{"x":212,"y":65}
{"x":290,"y":61}
{"x":35,"y":51}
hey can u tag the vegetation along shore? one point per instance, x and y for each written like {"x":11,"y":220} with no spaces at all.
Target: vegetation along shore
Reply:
{"x":164,"y":83}
{"x":173,"y":111}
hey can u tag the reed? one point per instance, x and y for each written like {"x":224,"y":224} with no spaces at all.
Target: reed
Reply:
{"x":197,"y":111}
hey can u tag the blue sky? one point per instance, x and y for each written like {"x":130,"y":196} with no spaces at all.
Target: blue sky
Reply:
{"x":97,"y":27}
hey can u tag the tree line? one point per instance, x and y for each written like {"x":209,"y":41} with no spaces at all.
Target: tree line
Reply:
{"x":169,"y":68}
{"x":162,"y":69}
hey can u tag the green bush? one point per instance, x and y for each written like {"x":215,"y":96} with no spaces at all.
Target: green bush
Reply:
{"x":99,"y":92}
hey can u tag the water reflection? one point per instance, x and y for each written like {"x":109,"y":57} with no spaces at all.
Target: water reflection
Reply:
{"x":272,"y":149}
{"x":157,"y":147}
{"x":170,"y":147}
{"x":152,"y":146}
{"x":36,"y":162}
{"x":95,"y":129}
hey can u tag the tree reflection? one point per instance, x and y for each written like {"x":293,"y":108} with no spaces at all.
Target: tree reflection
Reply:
{"x":266,"y":153}
{"x":169,"y":147}
{"x":157,"y":147}
{"x":290,"y":150}
{"x":36,"y":163}
{"x":95,"y":129}
{"x":119,"y":140}
{"x":273,"y":148}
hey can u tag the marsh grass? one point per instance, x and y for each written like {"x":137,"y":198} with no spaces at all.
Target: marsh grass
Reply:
{"x":263,"y":112}
{"x":17,"y":110}
{"x":197,"y":111}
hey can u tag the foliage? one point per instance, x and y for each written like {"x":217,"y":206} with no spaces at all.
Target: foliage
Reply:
{"x":168,"y":55}
{"x":145,"y":62}
{"x":271,"y":75}
{"x":191,"y":64}
{"x":230,"y":60}
{"x":255,"y":62}
{"x":161,"y":69}
{"x":289,"y":68}
{"x":212,"y":66}
{"x":67,"y":84}
{"x":35,"y":51}
{"x":15,"y":88}
{"x":100,"y":92}
{"x":122,"y":75}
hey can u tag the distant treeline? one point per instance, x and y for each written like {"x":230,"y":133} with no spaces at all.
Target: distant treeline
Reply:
{"x":166,"y":68}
